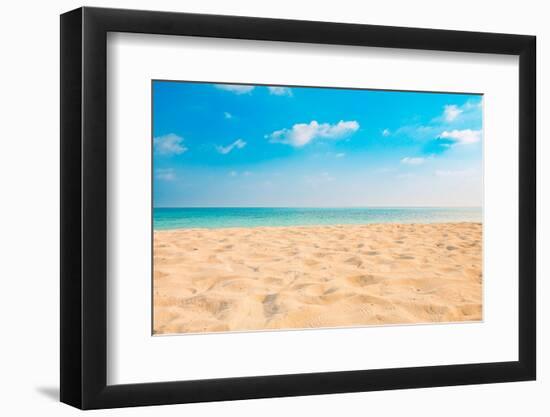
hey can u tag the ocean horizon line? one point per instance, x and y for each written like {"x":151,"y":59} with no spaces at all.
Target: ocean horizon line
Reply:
{"x":319,"y":207}
{"x":214,"y":217}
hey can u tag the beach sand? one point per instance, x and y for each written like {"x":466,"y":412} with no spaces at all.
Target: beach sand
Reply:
{"x":240,"y":279}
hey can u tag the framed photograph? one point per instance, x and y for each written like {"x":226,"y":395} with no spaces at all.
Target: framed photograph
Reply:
{"x":259,"y":208}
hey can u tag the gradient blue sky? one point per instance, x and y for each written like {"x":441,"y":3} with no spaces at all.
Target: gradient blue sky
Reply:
{"x":237,"y":145}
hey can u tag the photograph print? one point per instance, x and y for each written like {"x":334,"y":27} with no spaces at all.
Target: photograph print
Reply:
{"x":289,"y":207}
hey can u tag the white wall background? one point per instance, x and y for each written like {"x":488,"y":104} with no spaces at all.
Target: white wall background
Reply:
{"x":29,"y":225}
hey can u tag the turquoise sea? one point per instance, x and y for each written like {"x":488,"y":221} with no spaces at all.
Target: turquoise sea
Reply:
{"x":217,"y":217}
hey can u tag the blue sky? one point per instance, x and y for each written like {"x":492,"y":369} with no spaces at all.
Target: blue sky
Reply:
{"x":243,"y":145}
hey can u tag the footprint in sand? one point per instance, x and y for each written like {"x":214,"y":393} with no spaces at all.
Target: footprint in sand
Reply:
{"x":270,"y":307}
{"x":355,"y":261}
{"x":330,"y":290}
{"x":363,"y":280}
{"x":310,"y":262}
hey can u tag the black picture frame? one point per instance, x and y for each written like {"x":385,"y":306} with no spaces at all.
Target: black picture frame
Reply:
{"x":84,"y":208}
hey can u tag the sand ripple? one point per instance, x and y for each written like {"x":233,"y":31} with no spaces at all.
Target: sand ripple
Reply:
{"x":238,"y":279}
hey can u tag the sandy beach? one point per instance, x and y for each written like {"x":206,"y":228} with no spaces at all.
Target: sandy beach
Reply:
{"x":241,"y":279}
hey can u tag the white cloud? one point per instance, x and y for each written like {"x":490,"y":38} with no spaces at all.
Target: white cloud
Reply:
{"x":473,"y":105}
{"x":238,"y":144}
{"x":170,"y":144}
{"x":280,"y":91}
{"x":412,"y":160}
{"x":227,"y":115}
{"x":468,"y":111}
{"x":462,"y":137}
{"x":418,"y":132}
{"x":386,"y":132}
{"x":235,"y":88}
{"x":302,"y":133}
{"x":239,"y":174}
{"x":166,"y":174}
{"x":468,"y":114}
{"x":451,"y":112}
